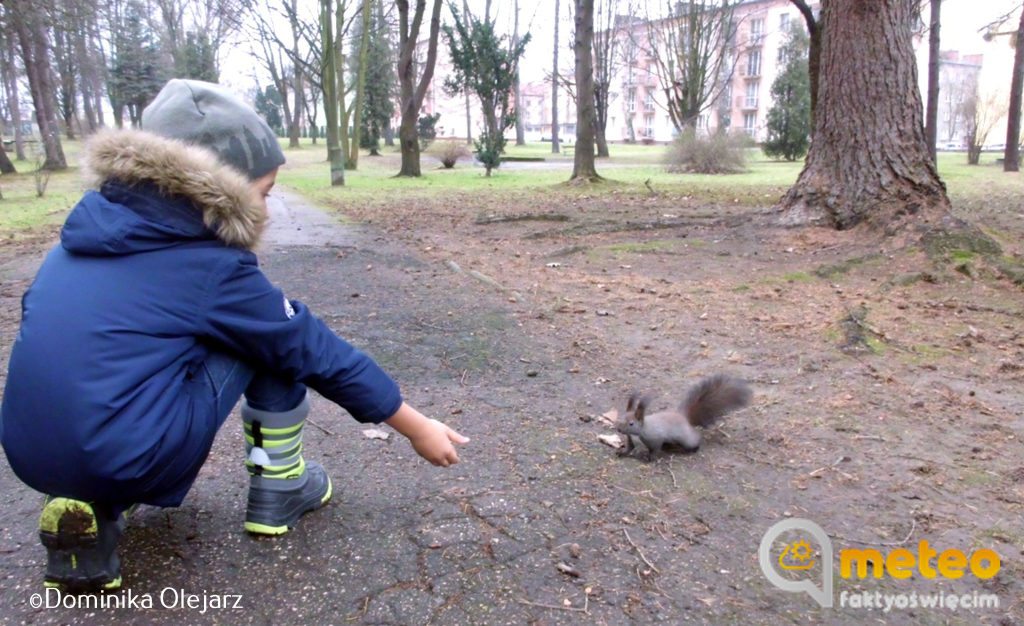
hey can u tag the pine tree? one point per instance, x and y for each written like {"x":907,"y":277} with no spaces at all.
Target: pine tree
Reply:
{"x":789,"y":119}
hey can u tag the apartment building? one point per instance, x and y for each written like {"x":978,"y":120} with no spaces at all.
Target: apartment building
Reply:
{"x":638,"y":109}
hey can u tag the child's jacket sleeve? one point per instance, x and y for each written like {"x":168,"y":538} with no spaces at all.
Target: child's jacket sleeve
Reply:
{"x":251,"y":317}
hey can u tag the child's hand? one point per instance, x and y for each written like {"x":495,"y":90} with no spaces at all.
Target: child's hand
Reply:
{"x":434,"y":443}
{"x":431,"y":439}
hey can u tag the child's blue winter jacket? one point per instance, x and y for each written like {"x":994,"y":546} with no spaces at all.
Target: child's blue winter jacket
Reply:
{"x":154,"y":271}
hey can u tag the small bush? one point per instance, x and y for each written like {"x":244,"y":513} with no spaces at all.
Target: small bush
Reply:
{"x":426,"y":129}
{"x":450,"y":151}
{"x":719,"y":153}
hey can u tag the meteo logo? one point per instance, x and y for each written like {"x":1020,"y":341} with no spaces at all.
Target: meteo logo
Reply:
{"x":899,"y":563}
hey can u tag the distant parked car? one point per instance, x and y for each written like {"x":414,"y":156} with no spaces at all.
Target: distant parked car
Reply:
{"x":994,"y":147}
{"x":952,"y":146}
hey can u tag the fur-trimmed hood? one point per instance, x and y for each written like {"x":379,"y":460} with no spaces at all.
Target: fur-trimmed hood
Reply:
{"x":230,"y":206}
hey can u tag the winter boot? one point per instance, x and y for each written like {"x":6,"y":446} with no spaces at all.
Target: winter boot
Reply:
{"x":81,"y":545}
{"x":282,"y":486}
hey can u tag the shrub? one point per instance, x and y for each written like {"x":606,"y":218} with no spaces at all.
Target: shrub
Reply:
{"x":426,"y":129}
{"x":719,"y":153}
{"x":450,"y":151}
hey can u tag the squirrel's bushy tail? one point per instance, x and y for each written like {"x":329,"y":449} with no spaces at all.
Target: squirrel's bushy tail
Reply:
{"x":713,"y":397}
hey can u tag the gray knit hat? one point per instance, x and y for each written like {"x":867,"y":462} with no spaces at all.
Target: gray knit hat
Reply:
{"x":208,"y":115}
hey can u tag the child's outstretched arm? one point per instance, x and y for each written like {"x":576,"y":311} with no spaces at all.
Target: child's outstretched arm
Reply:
{"x":431,"y":439}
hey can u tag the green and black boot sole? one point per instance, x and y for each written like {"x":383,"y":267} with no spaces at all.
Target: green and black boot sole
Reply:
{"x":81,"y":541}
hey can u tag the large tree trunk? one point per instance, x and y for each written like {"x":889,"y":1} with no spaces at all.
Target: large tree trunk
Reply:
{"x":583,"y":169}
{"x":520,"y":122}
{"x":10,"y":80}
{"x":868,"y":161}
{"x":554,"y":89}
{"x":6,"y":167}
{"x":335,"y":155}
{"x":1011,"y":156}
{"x":35,"y":50}
{"x":298,"y":87}
{"x":931,"y":114}
{"x":357,"y":107}
{"x":412,"y":93}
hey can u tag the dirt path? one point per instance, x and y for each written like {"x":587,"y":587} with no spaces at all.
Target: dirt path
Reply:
{"x":541,"y":523}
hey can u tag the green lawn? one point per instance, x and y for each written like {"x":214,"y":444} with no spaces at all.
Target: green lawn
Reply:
{"x":630,"y":167}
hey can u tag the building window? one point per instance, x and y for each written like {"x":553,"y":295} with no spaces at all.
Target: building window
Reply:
{"x":754,"y":63}
{"x":631,"y":100}
{"x":756,"y":31}
{"x":648,"y":126}
{"x":649,"y":101}
{"x":784,"y":22}
{"x":750,"y":123}
{"x":752,"y":88}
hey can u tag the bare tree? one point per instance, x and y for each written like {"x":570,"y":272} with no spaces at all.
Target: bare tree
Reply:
{"x":1011,"y":156}
{"x":606,"y":53}
{"x":982,"y":112}
{"x":330,"y":69}
{"x":192,"y":24}
{"x":555,"y":149}
{"x":873,"y":166}
{"x":357,"y":105}
{"x":413,"y":90}
{"x":284,"y":58}
{"x":517,"y":86}
{"x":584,"y":169}
{"x":9,"y":78}
{"x":691,"y":48}
{"x":931,"y":113}
{"x":28,"y":20}
{"x":814,"y":58}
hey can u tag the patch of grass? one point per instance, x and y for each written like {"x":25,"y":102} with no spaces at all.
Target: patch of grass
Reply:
{"x":646,"y":246}
{"x":797,"y":277}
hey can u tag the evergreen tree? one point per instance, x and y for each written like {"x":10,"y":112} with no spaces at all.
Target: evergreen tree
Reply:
{"x":380,"y":89}
{"x":789,"y":119}
{"x":482,"y":63}
{"x":268,"y":104}
{"x":136,"y":74}
{"x":200,"y":57}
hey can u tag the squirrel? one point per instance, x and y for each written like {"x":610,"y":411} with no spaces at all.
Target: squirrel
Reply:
{"x":704,"y":403}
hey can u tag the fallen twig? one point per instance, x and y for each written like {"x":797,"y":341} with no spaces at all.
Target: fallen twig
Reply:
{"x":314,"y":423}
{"x":640,"y":552}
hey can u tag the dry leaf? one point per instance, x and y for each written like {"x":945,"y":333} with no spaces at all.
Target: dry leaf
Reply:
{"x":611,"y":440}
{"x":376,"y":433}
{"x":611,"y":417}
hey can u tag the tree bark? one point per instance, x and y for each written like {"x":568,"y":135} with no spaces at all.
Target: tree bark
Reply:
{"x":868,"y":160}
{"x":931,"y":114}
{"x":520,"y":122}
{"x":814,"y":54}
{"x":554,"y":89}
{"x":357,"y":108}
{"x":10,"y":80}
{"x":35,"y":51}
{"x":1011,"y":155}
{"x":335,"y":155}
{"x":413,"y":92}
{"x":6,"y":167}
{"x":584,"y":169}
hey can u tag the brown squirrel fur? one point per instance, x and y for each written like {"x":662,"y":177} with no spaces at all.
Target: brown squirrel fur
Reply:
{"x":704,"y":403}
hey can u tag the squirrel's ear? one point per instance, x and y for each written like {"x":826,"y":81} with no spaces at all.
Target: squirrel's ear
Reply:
{"x":641,"y":408}
{"x":633,"y":397}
